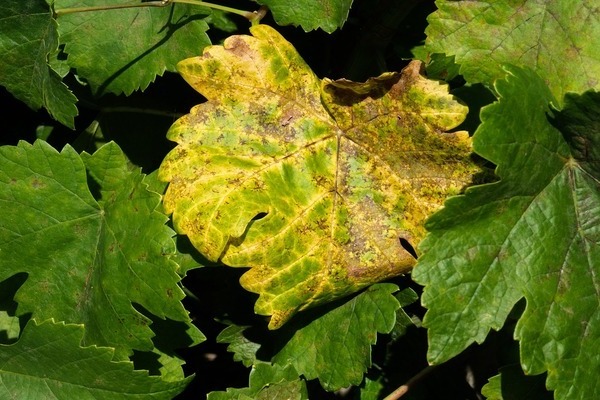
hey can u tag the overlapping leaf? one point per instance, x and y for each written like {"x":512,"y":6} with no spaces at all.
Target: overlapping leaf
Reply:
{"x":48,"y":362}
{"x":123,"y":50}
{"x":310,"y":183}
{"x":267,"y":382}
{"x":336,"y":348}
{"x":87,"y":260}
{"x":28,"y":41}
{"x":328,"y":15}
{"x":552,"y":37}
{"x":533,"y":234}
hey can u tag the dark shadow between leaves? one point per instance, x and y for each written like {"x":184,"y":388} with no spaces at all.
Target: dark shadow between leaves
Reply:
{"x":8,"y":290}
{"x":170,"y":336}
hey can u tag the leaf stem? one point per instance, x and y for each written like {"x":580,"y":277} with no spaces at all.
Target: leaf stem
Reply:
{"x":402,"y":390}
{"x":253,"y":16}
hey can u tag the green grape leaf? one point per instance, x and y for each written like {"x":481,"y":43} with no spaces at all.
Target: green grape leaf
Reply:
{"x":28,"y":39}
{"x":123,"y":50}
{"x":314,"y":184}
{"x":48,"y":362}
{"x":512,"y":384}
{"x":336,"y":348}
{"x":551,"y":37}
{"x":243,"y":349}
{"x":267,"y":382}
{"x":87,"y":259}
{"x":328,"y":15}
{"x":533,"y":234}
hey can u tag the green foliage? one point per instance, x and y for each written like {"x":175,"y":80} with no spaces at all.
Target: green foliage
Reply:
{"x":48,"y":361}
{"x":120,"y":51}
{"x":310,"y":14}
{"x":550,"y":37}
{"x":315,"y":348}
{"x":29,"y":38}
{"x":309,"y":183}
{"x":555,"y":202}
{"x":267,"y":382}
{"x":88,"y":259}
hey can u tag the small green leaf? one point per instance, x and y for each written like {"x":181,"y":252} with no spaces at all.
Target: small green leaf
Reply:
{"x":371,"y":389}
{"x":243,"y":349}
{"x":48,"y":362}
{"x":552,"y":37}
{"x":336,"y":348}
{"x":123,"y":50}
{"x":87,"y":260}
{"x":28,"y":39}
{"x":533,"y":234}
{"x":313,"y":184}
{"x":328,"y":15}
{"x":512,"y":384}
{"x":9,"y":327}
{"x":267,"y":382}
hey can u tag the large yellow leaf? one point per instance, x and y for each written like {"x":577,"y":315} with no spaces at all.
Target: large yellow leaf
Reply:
{"x":311,"y":183}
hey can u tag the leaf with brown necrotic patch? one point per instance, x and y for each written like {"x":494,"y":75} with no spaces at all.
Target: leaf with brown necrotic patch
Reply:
{"x":311,"y":183}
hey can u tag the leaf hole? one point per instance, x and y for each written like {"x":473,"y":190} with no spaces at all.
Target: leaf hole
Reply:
{"x":259,"y":216}
{"x":408,"y":247}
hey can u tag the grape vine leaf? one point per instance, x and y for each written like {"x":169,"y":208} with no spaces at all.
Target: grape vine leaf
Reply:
{"x":28,"y":39}
{"x":337,"y":357}
{"x":336,"y":348}
{"x":328,"y":15}
{"x":267,"y":382}
{"x":87,"y":259}
{"x":511,"y":383}
{"x":313,"y":184}
{"x":48,"y":362}
{"x":484,"y":35}
{"x":123,"y":50}
{"x":243,"y":349}
{"x":533,"y":234}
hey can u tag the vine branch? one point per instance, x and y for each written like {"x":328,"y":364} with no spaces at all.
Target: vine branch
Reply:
{"x":402,"y":390}
{"x":253,"y":16}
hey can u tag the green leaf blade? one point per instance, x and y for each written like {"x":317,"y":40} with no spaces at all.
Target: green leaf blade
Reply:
{"x":87,"y":261}
{"x":485,"y":35}
{"x":123,"y":50}
{"x":29,"y":38}
{"x":328,"y":15}
{"x":336,"y":348}
{"x":48,"y":362}
{"x":528,"y":235}
{"x":267,"y":382}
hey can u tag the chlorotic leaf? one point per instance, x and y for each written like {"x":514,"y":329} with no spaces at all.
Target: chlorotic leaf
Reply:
{"x":336,"y":348}
{"x":123,"y":50}
{"x":542,"y":35}
{"x":267,"y":382}
{"x":313,"y":184}
{"x":48,"y":362}
{"x":28,"y":39}
{"x":328,"y":15}
{"x":87,"y":260}
{"x":533,"y":234}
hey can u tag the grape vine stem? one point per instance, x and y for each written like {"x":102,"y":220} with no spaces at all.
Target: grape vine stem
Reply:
{"x":253,"y":16}
{"x":402,"y":390}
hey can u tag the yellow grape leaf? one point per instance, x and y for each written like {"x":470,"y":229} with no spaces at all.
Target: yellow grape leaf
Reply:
{"x":313,"y":184}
